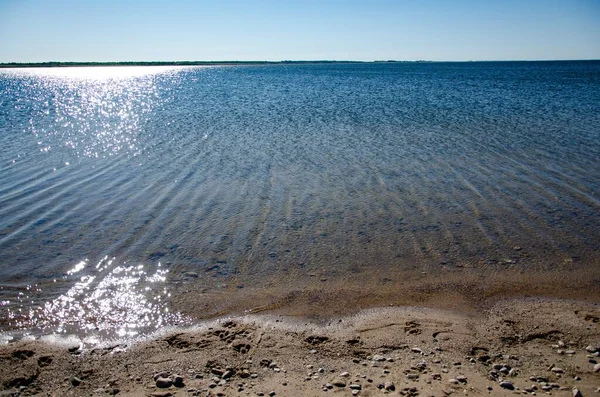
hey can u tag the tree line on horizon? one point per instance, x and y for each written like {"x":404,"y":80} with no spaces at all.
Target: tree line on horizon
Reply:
{"x":169,"y":63}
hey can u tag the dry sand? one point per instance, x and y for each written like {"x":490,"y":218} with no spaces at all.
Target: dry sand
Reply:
{"x":536,"y":346}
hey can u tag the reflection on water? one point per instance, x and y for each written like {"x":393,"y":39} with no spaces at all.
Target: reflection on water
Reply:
{"x":102,"y":300}
{"x":232,"y":177}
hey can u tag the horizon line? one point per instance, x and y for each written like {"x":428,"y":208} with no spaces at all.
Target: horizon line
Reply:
{"x":283,"y":61}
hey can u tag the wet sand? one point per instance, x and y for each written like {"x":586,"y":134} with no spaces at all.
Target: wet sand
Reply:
{"x":459,"y":335}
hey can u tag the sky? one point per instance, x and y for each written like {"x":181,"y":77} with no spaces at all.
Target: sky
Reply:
{"x":170,"y":30}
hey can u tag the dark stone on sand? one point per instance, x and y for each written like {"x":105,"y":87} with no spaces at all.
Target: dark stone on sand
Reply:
{"x":178,"y":381}
{"x":507,"y":385}
{"x":164,"y":383}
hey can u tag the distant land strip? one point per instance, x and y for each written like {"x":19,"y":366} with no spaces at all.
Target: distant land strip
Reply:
{"x":166,"y":63}
{"x":53,"y":64}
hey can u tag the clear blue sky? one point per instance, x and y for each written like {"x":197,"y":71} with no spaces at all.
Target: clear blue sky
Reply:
{"x":118,"y":30}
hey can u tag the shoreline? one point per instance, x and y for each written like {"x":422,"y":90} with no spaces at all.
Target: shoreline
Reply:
{"x":535,"y":344}
{"x":320,"y":299}
{"x":61,"y":64}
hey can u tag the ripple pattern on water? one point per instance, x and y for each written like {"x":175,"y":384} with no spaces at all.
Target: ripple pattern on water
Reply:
{"x":249,"y":172}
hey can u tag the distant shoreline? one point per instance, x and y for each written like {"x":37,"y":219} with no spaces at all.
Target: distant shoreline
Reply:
{"x":239,"y":63}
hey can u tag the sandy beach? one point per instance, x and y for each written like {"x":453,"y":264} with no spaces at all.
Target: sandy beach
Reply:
{"x":516,"y":346}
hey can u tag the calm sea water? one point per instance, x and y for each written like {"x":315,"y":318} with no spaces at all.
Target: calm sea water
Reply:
{"x":119,"y":185}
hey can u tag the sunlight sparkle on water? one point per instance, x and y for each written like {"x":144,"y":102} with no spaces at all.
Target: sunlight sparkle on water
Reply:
{"x":109,"y":298}
{"x":98,"y":72}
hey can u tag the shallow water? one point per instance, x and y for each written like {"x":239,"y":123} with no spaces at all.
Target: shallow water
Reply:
{"x":125,"y":191}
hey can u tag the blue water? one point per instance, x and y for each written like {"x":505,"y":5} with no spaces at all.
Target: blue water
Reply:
{"x":120,"y":185}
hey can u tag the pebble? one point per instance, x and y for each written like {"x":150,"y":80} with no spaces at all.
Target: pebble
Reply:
{"x":461,"y":378}
{"x":389,"y":386}
{"x":355,"y":386}
{"x":412,"y":376}
{"x":378,"y":357}
{"x":339,"y":383}
{"x":507,"y":385}
{"x":557,"y":370}
{"x":453,"y":381}
{"x":313,"y":351}
{"x":345,"y":374}
{"x":576,"y":392}
{"x":271,"y":393}
{"x":355,"y":392}
{"x":328,"y":385}
{"x":597,"y":368}
{"x":163,"y":383}
{"x":75,"y":381}
{"x":416,"y":350}
{"x":591,"y":349}
{"x":178,"y":380}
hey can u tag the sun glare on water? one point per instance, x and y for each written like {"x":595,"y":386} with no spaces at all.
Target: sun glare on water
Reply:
{"x":98,"y":72}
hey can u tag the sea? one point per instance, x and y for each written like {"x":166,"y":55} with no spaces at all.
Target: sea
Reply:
{"x":142,"y":197}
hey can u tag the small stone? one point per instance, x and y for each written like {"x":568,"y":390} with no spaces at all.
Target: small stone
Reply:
{"x":378,"y":357}
{"x":178,"y":380}
{"x":164,"y":383}
{"x":217,"y":371}
{"x":212,"y":385}
{"x":345,"y":374}
{"x":591,"y":349}
{"x":416,"y":350}
{"x":272,"y":393}
{"x":570,"y":352}
{"x":227,"y":374}
{"x":412,"y":376}
{"x":557,"y":370}
{"x":328,"y":386}
{"x":389,"y":386}
{"x":75,"y":381}
{"x":355,"y":392}
{"x":355,"y":386}
{"x":339,"y":383}
{"x":461,"y":378}
{"x":453,"y":381}
{"x":597,"y":368}
{"x":507,"y":385}
{"x":576,"y":392}
{"x":313,"y":351}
